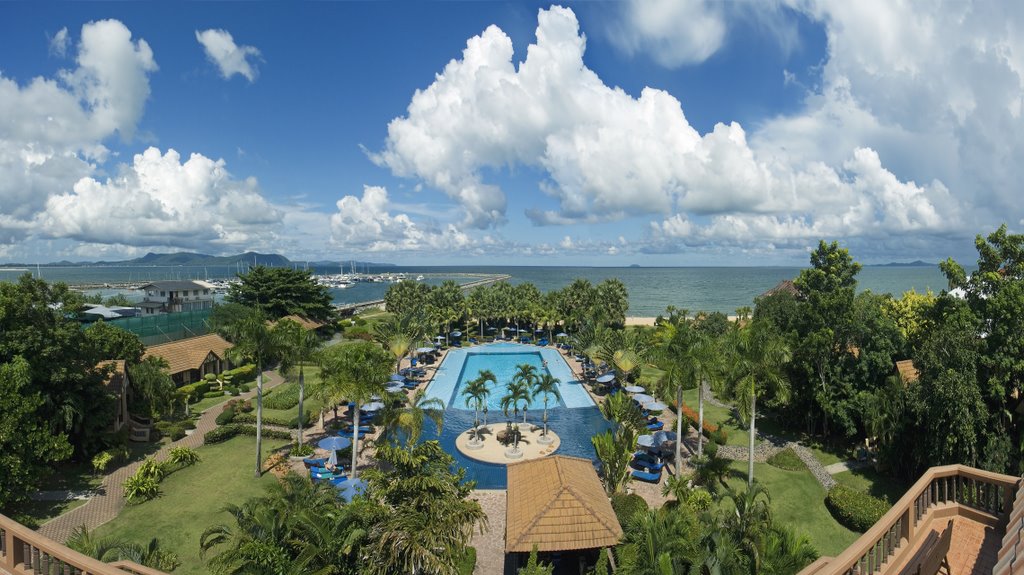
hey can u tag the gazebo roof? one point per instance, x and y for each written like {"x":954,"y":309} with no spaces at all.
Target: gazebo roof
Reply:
{"x":907,"y":370}
{"x":114,"y":381}
{"x":784,"y":286}
{"x":558,"y":504}
{"x":189,"y":353}
{"x":306,"y":323}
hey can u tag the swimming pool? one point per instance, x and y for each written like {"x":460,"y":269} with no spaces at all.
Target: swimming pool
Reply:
{"x":575,"y":418}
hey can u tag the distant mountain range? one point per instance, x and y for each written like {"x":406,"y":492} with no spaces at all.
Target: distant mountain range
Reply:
{"x":913,"y":264}
{"x":194,"y":259}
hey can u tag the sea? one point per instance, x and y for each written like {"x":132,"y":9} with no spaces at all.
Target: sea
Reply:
{"x":651,"y":289}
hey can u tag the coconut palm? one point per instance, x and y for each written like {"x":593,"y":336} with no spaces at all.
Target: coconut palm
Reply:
{"x":299,"y":346}
{"x":405,"y":424}
{"x":526,"y":374}
{"x":758,"y":356}
{"x":355,"y":372}
{"x":783,"y":551}
{"x":546,"y":385}
{"x":476,"y":392}
{"x":677,"y":358}
{"x":750,"y":520}
{"x":254,"y":342}
{"x":398,"y":333}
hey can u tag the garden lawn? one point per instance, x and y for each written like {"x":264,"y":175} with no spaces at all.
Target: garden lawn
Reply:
{"x":798,"y":500}
{"x":736,"y":434}
{"x":310,"y":405}
{"x":193,"y":499}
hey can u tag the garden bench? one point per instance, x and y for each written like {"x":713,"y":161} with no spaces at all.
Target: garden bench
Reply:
{"x":932,"y":556}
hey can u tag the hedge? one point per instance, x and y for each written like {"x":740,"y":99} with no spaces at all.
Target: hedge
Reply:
{"x":226,"y":432}
{"x":243,"y":374}
{"x":226,"y":416}
{"x":272,"y":420}
{"x":284,"y":397}
{"x":853,"y":509}
{"x":627,"y":506}
{"x":787,"y":459}
{"x":709,"y":428}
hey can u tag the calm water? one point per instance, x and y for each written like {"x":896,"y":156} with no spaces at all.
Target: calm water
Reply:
{"x":651,"y":290}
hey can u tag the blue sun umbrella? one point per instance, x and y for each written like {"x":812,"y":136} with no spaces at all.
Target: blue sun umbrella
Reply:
{"x":663,"y":436}
{"x":492,"y":328}
{"x":456,"y":333}
{"x":334,"y":443}
{"x":349,"y":489}
{"x":606,"y":378}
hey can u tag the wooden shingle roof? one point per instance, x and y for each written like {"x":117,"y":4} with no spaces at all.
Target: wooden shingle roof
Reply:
{"x":784,"y":286}
{"x":115,"y":379}
{"x":907,"y":370}
{"x":558,"y":504}
{"x":189,"y":353}
{"x":306,"y":323}
{"x":1011,"y":554}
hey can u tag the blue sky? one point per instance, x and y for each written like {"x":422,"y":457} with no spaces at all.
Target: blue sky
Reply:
{"x":677,"y":133}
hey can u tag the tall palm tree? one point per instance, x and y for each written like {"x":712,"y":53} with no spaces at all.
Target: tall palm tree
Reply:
{"x":758,"y":357}
{"x":546,"y":385}
{"x":526,"y":374}
{"x":298,"y":347}
{"x":476,"y":392}
{"x":254,"y":342}
{"x":517,"y":391}
{"x":405,"y":424}
{"x":398,"y":333}
{"x":750,"y":520}
{"x":676,"y":356}
{"x":355,"y":372}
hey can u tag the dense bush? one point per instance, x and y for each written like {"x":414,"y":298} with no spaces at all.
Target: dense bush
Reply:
{"x":226,"y":432}
{"x":359,"y":332}
{"x":305,"y":450}
{"x":283,"y":397}
{"x":183,"y":456}
{"x":239,"y":375}
{"x":138,"y":489}
{"x":173,"y":429}
{"x":194,"y":391}
{"x":227,"y":415}
{"x":710,"y":429}
{"x":787,"y":459}
{"x":626,"y":506}
{"x":104,"y":459}
{"x":234,"y":391}
{"x":853,"y":509}
{"x":214,"y":393}
{"x":272,"y":420}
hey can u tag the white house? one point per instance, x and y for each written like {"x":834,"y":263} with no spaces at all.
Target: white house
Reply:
{"x":176,"y":296}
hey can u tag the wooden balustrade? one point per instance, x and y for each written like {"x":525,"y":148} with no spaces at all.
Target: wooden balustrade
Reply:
{"x":941,"y":492}
{"x":23,"y":552}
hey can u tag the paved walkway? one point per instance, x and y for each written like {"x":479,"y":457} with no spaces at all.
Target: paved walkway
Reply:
{"x":110,"y":500}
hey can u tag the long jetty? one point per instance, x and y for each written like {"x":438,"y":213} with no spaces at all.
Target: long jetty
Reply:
{"x":347,"y":309}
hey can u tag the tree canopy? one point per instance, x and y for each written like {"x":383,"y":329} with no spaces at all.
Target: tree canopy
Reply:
{"x":282,"y":291}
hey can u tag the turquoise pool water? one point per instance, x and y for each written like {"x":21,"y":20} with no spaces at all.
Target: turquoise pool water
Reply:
{"x":575,"y":418}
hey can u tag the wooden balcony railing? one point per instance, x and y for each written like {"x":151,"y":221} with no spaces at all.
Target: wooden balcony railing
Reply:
{"x":23,"y":552}
{"x":950,"y":490}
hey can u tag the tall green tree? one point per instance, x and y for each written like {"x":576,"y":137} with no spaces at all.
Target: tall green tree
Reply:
{"x":546,"y":386}
{"x":476,"y":393}
{"x":577,"y":302}
{"x":282,"y":291}
{"x":398,"y":333}
{"x":355,"y":372}
{"x":255,"y":342}
{"x":153,"y":385}
{"x":406,"y":296}
{"x":758,"y":356}
{"x":403,"y":425}
{"x":612,"y":299}
{"x":298,"y":346}
{"x":27,"y":446}
{"x":446,"y":305}
{"x":112,"y":342}
{"x":526,"y":376}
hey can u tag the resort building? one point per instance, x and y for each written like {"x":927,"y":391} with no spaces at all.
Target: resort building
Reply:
{"x":188,"y":360}
{"x":176,"y":296}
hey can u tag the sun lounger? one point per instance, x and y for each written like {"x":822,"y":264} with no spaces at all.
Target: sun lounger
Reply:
{"x":656,"y":426}
{"x":542,"y":341}
{"x":645,"y":476}
{"x":473,"y":340}
{"x":647,"y":464}
{"x":311,"y":462}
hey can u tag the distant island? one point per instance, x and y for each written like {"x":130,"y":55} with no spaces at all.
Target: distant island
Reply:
{"x":195,"y":259}
{"x":913,"y":264}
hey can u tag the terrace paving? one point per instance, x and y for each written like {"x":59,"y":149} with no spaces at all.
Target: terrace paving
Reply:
{"x":109,"y":500}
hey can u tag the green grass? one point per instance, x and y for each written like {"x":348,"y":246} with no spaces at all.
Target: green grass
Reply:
{"x":737,"y":433}
{"x":206,"y":403}
{"x":193,"y":499}
{"x":32,"y":514}
{"x":869,"y":481}
{"x":799,"y":501}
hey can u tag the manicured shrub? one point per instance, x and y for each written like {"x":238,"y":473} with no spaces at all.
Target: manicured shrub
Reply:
{"x":226,"y":432}
{"x":226,"y":416}
{"x":853,"y":509}
{"x":709,"y":428}
{"x":359,"y":332}
{"x":138,"y":489}
{"x":242,"y":374}
{"x":627,"y":506}
{"x":283,"y":397}
{"x":183,"y":456}
{"x":787,"y":459}
{"x":273,"y":420}
{"x":304,"y":451}
{"x":719,"y":436}
{"x":234,"y":391}
{"x":214,"y":393}
{"x":101,"y":461}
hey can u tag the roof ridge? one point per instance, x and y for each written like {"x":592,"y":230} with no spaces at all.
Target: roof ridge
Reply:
{"x":585,"y":502}
{"x":543,"y":509}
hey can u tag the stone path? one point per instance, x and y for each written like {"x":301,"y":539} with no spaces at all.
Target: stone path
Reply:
{"x":846,"y":466}
{"x":63,"y":495}
{"x":110,"y":496}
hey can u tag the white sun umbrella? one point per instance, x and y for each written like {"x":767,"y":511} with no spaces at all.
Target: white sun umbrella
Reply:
{"x":642,"y":398}
{"x":655,"y":406}
{"x":645,"y":441}
{"x":394,"y":387}
{"x":332,"y":460}
{"x":373,"y":406}
{"x":634,"y":389}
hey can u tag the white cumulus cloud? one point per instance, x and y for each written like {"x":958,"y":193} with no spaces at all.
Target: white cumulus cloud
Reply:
{"x":161,"y":200}
{"x":229,"y":57}
{"x":59,"y":43}
{"x":53,"y":129}
{"x":366,"y":223}
{"x":673,"y":32}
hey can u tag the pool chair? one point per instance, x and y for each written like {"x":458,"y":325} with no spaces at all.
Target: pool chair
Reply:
{"x":645,"y":476}
{"x":411,"y":384}
{"x":649,"y":465}
{"x":338,"y":481}
{"x":542,"y":341}
{"x":656,"y":426}
{"x":311,"y":462}
{"x":321,"y":474}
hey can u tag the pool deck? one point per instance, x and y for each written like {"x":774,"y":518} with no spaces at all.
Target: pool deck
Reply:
{"x":489,"y":450}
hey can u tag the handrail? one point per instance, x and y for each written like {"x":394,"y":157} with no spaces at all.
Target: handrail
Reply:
{"x":985,"y":494}
{"x":23,"y":550}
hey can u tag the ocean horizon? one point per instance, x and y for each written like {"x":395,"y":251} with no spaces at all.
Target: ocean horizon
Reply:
{"x":651,"y":289}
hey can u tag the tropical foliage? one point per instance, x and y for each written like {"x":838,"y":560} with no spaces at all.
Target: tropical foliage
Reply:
{"x":282,"y":291}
